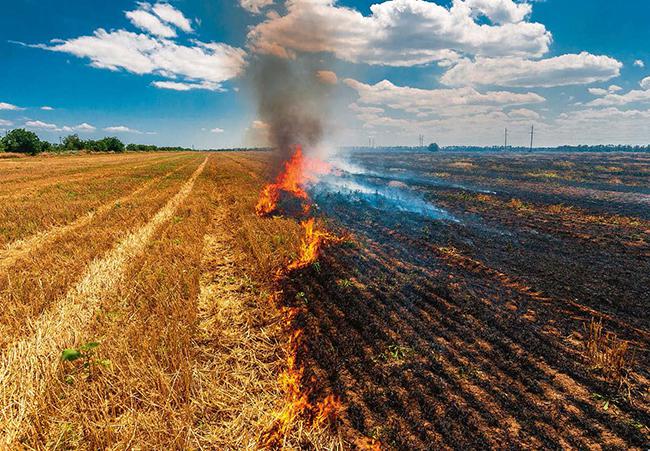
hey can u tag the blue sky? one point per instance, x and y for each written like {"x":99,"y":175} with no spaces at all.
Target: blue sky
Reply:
{"x":458,"y":72}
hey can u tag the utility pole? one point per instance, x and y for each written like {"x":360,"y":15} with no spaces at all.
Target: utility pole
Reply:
{"x":532,"y":134}
{"x":505,"y":140}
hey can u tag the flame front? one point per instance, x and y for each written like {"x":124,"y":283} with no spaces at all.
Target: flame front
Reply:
{"x":297,"y":172}
{"x":311,"y":245}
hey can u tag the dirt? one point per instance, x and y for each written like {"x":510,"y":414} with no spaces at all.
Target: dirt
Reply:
{"x":470,"y":334}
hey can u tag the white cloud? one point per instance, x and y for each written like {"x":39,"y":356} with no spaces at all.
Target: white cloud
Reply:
{"x":645,"y":83}
{"x":399,"y":32}
{"x":85,"y":127}
{"x":327,"y":77}
{"x":173,"y":16}
{"x":46,"y":126}
{"x":523,"y":113}
{"x":142,"y":54}
{"x":184,"y":86}
{"x":500,"y":11}
{"x":255,"y":6}
{"x":639,"y":63}
{"x":614,"y":88}
{"x":150,"y":23}
{"x":197,"y":65}
{"x":121,"y":129}
{"x":5,"y":123}
{"x":610,"y":98}
{"x":42,"y":125}
{"x":439,"y":101}
{"x":217,"y":130}
{"x":598,"y":91}
{"x":47,"y":108}
{"x":9,"y":106}
{"x":562,"y":70}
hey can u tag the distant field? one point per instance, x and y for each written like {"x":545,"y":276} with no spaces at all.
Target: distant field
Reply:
{"x":180,"y":318}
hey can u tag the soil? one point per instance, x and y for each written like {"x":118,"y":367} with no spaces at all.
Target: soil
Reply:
{"x":470,"y":333}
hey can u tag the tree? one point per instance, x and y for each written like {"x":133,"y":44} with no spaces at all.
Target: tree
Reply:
{"x":112,"y":144}
{"x":22,"y":141}
{"x":433,"y":147}
{"x":73,"y":142}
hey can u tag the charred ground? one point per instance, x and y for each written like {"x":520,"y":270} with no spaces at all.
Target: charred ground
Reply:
{"x":472,"y":333}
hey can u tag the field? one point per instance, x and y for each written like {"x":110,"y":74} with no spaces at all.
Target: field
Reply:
{"x":515,"y":319}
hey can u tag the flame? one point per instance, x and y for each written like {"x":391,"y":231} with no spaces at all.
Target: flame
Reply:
{"x":311,"y":245}
{"x":297,"y":173}
{"x":327,"y":410}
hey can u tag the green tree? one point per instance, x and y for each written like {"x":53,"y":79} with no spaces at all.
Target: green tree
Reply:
{"x":433,"y":147}
{"x":22,"y":141}
{"x":112,"y":144}
{"x":73,"y":142}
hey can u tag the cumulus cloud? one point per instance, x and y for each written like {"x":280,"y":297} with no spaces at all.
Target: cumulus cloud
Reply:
{"x":5,"y":123}
{"x":150,"y":23}
{"x":327,"y":77}
{"x":610,"y":98}
{"x":199,"y":65}
{"x":440,"y":101}
{"x":143,"y":54}
{"x":645,"y":83}
{"x":47,"y":108}
{"x":85,"y":127}
{"x":46,"y":126}
{"x":9,"y":106}
{"x":400,"y":32}
{"x":571,"y":69}
{"x":121,"y":129}
{"x":614,"y":88}
{"x":255,"y":6}
{"x":500,"y":11}
{"x":523,"y":113}
{"x":41,"y":125}
{"x":173,"y":16}
{"x":598,"y":91}
{"x":639,"y":63}
{"x":217,"y":130}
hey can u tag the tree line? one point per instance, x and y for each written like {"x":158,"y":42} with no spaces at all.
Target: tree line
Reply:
{"x":25,"y":141}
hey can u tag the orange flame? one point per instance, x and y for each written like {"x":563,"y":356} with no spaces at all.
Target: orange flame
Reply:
{"x":311,"y":245}
{"x":296,"y":174}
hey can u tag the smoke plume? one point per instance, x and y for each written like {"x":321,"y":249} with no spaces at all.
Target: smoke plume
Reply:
{"x":293,"y":101}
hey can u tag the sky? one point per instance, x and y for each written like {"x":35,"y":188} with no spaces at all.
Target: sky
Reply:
{"x":458,"y":72}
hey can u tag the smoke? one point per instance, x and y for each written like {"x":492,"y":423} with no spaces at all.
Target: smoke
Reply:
{"x":292,"y":100}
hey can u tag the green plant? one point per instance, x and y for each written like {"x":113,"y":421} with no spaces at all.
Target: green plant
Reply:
{"x":86,"y":355}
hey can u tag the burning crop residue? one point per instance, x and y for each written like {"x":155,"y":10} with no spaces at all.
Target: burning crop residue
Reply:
{"x":288,"y":195}
{"x":311,"y":244}
{"x":291,"y":183}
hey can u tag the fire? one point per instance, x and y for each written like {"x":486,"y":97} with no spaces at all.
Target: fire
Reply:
{"x":311,"y":245}
{"x":297,"y":173}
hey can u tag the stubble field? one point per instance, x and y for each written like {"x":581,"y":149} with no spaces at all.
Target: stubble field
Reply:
{"x":185,"y":329}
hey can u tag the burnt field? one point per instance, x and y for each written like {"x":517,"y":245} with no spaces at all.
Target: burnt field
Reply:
{"x":470,"y":318}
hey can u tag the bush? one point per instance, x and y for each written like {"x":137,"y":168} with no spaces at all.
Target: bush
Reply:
{"x":22,"y":141}
{"x":433,"y":147}
{"x":72,"y":142}
{"x":111,"y":144}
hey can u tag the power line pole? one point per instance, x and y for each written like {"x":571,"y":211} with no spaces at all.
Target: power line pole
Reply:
{"x":505,"y":140}
{"x":532,"y":134}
